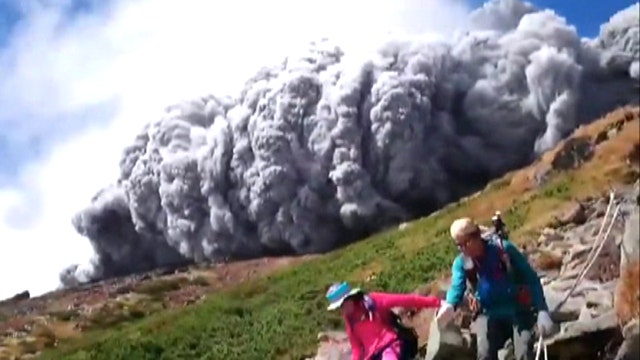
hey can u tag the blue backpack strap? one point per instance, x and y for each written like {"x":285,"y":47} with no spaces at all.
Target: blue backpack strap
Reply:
{"x":497,"y":240}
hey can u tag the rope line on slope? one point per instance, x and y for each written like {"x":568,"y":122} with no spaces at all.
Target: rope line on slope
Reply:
{"x":595,"y":250}
{"x":598,"y":245}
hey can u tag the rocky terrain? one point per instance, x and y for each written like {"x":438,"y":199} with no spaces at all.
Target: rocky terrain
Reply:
{"x":588,"y":324}
{"x":588,"y":264}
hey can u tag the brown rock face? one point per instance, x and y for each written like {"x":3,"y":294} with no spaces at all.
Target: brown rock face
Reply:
{"x":627,"y":294}
{"x":574,"y":152}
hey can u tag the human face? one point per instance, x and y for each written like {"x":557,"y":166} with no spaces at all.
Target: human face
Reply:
{"x":470,"y":245}
{"x":348,"y":306}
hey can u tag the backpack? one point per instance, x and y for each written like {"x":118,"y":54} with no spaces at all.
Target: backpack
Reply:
{"x":505,"y":263}
{"x":523,"y":294}
{"x":407,"y":335}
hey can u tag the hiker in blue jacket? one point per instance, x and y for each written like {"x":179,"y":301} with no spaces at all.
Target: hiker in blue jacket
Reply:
{"x":506,"y":292}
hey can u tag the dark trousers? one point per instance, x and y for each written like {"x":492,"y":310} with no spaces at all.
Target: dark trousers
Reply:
{"x":492,"y":334}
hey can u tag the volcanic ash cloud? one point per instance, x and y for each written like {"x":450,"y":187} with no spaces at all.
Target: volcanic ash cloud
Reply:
{"x":314,"y":154}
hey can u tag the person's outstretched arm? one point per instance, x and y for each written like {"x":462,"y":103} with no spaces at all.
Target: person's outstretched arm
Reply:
{"x":522,"y":266}
{"x":458,"y":286}
{"x":410,"y":301}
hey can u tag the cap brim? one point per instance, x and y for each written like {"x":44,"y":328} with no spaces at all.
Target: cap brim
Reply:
{"x":336,"y":304}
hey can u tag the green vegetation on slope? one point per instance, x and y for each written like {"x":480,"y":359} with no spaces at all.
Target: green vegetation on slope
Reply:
{"x":279,"y":316}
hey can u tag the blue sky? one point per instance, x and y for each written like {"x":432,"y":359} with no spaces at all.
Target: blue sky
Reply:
{"x":18,"y":147}
{"x":9,"y":15}
{"x":585,"y":15}
{"x":79,"y":79}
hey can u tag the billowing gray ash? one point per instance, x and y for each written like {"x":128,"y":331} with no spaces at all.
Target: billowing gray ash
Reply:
{"x":315,"y":154}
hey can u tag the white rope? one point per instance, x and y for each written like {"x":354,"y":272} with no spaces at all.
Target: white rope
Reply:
{"x":604,"y":241}
{"x":541,"y":345}
{"x":595,"y":250}
{"x":593,"y":255}
{"x":590,"y":263}
{"x":598,"y":237}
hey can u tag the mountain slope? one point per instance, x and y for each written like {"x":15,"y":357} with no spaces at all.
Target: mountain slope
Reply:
{"x":279,"y":315}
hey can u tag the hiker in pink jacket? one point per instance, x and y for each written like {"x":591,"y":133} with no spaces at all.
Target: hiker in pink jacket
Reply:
{"x":374,"y":331}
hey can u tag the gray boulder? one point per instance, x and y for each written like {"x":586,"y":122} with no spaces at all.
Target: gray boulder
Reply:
{"x":630,"y":348}
{"x":630,"y":247}
{"x":448,"y":343}
{"x":583,"y":339}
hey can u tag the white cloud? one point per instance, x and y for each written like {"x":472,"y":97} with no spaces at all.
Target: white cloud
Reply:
{"x":145,"y":55}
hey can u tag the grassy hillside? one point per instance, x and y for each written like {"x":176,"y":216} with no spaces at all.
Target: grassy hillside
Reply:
{"x":280,"y":315}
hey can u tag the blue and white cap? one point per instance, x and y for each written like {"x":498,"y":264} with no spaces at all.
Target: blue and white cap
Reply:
{"x":338,"y":293}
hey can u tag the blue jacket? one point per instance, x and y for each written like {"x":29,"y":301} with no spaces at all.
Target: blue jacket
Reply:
{"x":496,"y":290}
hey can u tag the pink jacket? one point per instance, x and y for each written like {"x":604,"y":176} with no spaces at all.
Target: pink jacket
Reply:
{"x":368,"y":336}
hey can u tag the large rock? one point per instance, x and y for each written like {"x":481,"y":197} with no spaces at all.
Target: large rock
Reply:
{"x":627,"y":294}
{"x":630,"y":247}
{"x":334,"y":345}
{"x":575,"y":215}
{"x":569,"y":311}
{"x":572,"y":153}
{"x":630,"y":348}
{"x":448,"y":343}
{"x":584,"y":339}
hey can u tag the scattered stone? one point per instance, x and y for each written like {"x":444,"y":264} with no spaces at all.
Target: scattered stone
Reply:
{"x":583,"y":339}
{"x":575,"y":215}
{"x":599,"y":298}
{"x":447,"y":344}
{"x":630,"y":247}
{"x":550,"y":235}
{"x":569,"y":311}
{"x":541,"y":175}
{"x":585,"y":314}
{"x":334,"y":345}
{"x":573,"y":153}
{"x":548,"y":260}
